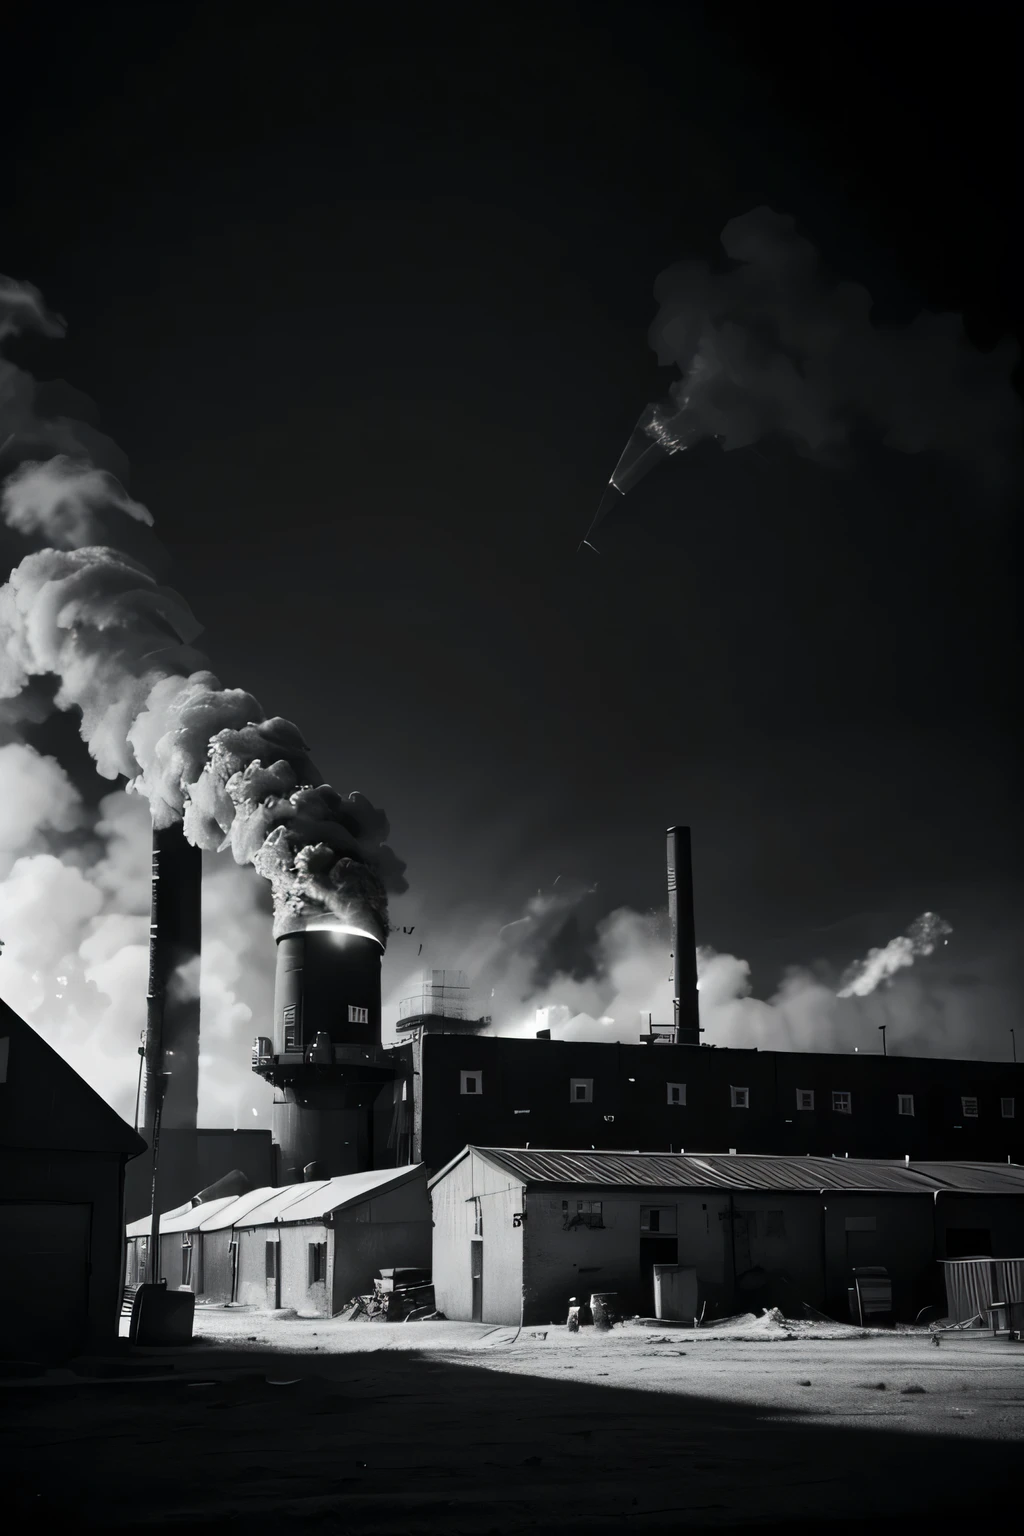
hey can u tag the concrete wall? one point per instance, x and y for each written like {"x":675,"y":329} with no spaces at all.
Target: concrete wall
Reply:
{"x":1002,"y":1216}
{"x":902,"y":1241}
{"x":310,"y":1300}
{"x":252,"y":1283}
{"x":359,"y":1250}
{"x":89,"y":1283}
{"x":501,"y":1197}
{"x":630,"y":1085}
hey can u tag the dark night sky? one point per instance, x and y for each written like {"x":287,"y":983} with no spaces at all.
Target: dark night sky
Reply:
{"x":366,"y":305}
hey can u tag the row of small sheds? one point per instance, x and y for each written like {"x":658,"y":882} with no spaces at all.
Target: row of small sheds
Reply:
{"x":310,"y":1246}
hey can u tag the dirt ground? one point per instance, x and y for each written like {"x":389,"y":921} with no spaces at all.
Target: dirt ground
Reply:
{"x":283,"y":1423}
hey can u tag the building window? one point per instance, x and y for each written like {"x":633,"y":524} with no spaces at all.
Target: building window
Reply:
{"x":1007,"y":1107}
{"x":472,"y":1082}
{"x":291,"y":1032}
{"x":677,"y":1093}
{"x":658,"y":1218}
{"x":587,"y":1213}
{"x":358,"y":1015}
{"x":970,"y":1108}
{"x":317,"y":1260}
{"x":581,"y":1090}
{"x":842,"y":1103}
{"x":740,"y":1098}
{"x":805,"y":1098}
{"x":906,"y":1103}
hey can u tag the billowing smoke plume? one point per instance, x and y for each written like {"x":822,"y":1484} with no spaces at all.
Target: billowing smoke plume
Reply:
{"x":620,"y":980}
{"x":773,"y":345}
{"x":922,"y":938}
{"x":121,"y":648}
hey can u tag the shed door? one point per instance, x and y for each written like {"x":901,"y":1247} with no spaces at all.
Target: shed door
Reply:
{"x":44,"y":1280}
{"x":476,"y":1270}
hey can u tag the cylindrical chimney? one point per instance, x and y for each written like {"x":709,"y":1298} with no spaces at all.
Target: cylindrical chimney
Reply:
{"x":684,"y":942}
{"x":326,"y":1058}
{"x":172,"y":1011}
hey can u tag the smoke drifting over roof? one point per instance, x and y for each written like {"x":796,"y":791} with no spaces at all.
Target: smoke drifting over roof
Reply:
{"x":776,"y":345}
{"x":121,"y":647}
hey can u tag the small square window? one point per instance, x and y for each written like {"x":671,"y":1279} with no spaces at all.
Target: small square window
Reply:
{"x":581,"y":1090}
{"x":472,"y":1082}
{"x":587,"y":1213}
{"x":970,"y":1108}
{"x":842,"y":1103}
{"x":805,"y":1098}
{"x":739,"y":1098}
{"x":658,"y":1218}
{"x":906,"y":1103}
{"x":1007,"y":1108}
{"x":358,"y":1015}
{"x":677,"y":1093}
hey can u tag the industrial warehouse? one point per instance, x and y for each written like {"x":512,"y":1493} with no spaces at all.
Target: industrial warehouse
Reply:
{"x":559,"y":1167}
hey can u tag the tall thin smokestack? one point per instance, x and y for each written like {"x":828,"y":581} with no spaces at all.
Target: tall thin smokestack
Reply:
{"x":172,"y":1006}
{"x":684,"y":941}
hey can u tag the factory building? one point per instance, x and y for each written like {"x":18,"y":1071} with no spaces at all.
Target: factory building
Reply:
{"x":63,"y":1153}
{"x":311,"y":1246}
{"x":345,"y":1105}
{"x":517,"y":1232}
{"x":670,"y":1098}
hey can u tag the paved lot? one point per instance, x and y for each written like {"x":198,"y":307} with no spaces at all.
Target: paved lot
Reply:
{"x":291,"y":1424}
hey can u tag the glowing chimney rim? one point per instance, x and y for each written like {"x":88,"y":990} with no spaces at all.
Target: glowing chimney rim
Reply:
{"x":339,"y":928}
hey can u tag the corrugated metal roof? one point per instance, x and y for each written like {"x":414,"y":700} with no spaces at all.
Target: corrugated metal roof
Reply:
{"x":979,"y":1178}
{"x":236,"y":1208}
{"x":347,"y":1189}
{"x":184,"y":1218}
{"x":666,"y":1170}
{"x":277,"y":1201}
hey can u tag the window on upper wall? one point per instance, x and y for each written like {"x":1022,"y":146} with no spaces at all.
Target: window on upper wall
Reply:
{"x":472,"y":1082}
{"x":358,"y":1015}
{"x":906,"y":1103}
{"x":582,"y":1213}
{"x":291,"y":1029}
{"x":842,"y":1103}
{"x":677,"y":1093}
{"x":1007,"y":1107}
{"x":805,"y":1098}
{"x":969,"y":1108}
{"x":739,"y":1098}
{"x":581,"y":1090}
{"x":658,"y":1218}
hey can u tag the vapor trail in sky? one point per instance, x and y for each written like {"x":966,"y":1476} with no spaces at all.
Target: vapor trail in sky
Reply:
{"x":922,"y":938}
{"x":770,"y":344}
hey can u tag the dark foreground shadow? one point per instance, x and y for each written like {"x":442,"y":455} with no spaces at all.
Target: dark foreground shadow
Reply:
{"x":396,"y":1444}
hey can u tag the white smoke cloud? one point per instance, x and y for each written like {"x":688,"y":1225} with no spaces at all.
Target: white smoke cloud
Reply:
{"x":68,"y":503}
{"x":74,"y":921}
{"x":36,"y":798}
{"x":121,"y":647}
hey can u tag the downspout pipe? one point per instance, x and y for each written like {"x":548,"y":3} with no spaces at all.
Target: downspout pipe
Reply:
{"x":732,"y":1236}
